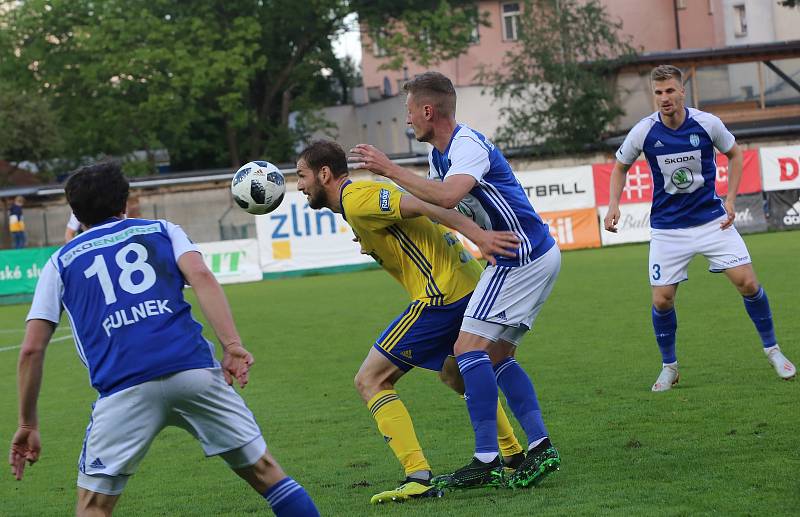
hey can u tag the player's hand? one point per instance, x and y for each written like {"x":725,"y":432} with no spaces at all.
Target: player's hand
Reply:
{"x":25,"y":446}
{"x":611,"y":220}
{"x":493,"y":243}
{"x":236,"y":363}
{"x":365,"y":156}
{"x":729,"y":207}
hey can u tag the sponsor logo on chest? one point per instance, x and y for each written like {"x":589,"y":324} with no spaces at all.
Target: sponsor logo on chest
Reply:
{"x":682,"y":172}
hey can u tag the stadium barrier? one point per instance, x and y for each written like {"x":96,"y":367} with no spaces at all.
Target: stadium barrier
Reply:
{"x":233,"y":261}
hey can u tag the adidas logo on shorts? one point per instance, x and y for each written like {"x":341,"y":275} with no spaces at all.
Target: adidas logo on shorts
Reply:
{"x":97,"y":464}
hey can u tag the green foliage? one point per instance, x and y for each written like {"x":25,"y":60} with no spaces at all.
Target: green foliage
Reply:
{"x":558,"y":83}
{"x":29,"y":129}
{"x":212,"y":81}
{"x":724,"y":442}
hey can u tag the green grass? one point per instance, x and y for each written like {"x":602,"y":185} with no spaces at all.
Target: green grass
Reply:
{"x":725,"y":442}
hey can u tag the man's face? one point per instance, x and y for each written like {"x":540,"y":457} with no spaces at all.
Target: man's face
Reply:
{"x":669,"y":95}
{"x":308,"y":184}
{"x":419,"y":118}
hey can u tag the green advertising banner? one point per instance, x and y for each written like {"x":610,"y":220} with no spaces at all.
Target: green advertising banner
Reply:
{"x":20,"y":269}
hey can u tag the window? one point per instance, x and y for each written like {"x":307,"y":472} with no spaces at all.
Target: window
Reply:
{"x":475,"y":35}
{"x":739,"y":21}
{"x":377,"y":50}
{"x":510,"y":12}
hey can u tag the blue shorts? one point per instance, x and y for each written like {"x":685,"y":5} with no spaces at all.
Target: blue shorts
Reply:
{"x":423,"y":335}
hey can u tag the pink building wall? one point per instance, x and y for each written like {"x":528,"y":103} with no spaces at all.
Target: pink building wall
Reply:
{"x":650,"y":23}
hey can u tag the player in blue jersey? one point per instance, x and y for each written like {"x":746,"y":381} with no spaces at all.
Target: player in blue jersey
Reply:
{"x":469,"y":172}
{"x":121,"y":286}
{"x":687,"y":217}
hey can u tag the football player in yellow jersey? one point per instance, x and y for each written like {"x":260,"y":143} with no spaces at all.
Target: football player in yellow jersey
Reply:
{"x":439,"y":276}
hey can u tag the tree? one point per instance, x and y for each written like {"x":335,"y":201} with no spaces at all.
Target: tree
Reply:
{"x":558,"y":82}
{"x":213,"y":81}
{"x":29,"y":129}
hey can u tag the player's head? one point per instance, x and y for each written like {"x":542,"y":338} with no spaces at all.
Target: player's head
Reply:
{"x":19,"y":200}
{"x":668,"y":90}
{"x":319,"y":166}
{"x":97,"y":192}
{"x":431,"y":96}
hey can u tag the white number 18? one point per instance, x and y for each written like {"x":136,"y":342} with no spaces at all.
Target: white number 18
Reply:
{"x":125,"y":280}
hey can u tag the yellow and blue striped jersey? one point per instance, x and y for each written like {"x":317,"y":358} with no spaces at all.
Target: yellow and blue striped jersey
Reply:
{"x":426,"y":258}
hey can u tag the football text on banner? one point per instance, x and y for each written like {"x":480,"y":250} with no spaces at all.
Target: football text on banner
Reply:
{"x":559,"y":189}
{"x":234,"y":261}
{"x":784,"y":209}
{"x":574,"y":229}
{"x":639,"y":181}
{"x":750,"y":216}
{"x":20,"y":269}
{"x":633,"y":225}
{"x":295,"y":237}
{"x":780,"y":167}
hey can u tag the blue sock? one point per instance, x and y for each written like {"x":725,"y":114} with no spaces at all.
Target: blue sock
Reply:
{"x":521,"y":397}
{"x":289,"y":499}
{"x":665,"y":324}
{"x":481,"y":397}
{"x":757,"y":307}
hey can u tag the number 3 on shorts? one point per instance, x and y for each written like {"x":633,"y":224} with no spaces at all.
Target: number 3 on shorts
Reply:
{"x":656,"y":271}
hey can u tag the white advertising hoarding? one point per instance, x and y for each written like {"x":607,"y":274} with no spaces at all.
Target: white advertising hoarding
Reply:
{"x":780,"y":167}
{"x":232,"y":261}
{"x":554,"y":190}
{"x":633,"y":226}
{"x":295,"y":237}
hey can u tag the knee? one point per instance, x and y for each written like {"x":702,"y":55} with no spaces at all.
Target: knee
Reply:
{"x":94,"y":504}
{"x":368,"y":385}
{"x":263,"y":474}
{"x":452,"y":379}
{"x":663,"y":302}
{"x":748,"y":287}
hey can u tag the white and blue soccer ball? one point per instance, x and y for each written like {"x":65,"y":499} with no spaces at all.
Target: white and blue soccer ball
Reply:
{"x":258,"y":187}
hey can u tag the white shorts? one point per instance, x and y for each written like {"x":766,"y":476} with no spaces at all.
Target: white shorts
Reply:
{"x":672,"y":250}
{"x":507,"y":300}
{"x":124,"y":424}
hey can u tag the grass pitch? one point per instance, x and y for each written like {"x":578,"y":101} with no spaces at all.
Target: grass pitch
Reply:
{"x":725,"y":441}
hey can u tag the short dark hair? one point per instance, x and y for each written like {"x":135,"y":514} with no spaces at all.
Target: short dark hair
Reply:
{"x":665,"y":73}
{"x":97,"y":192}
{"x":320,"y":153}
{"x":436,"y":88}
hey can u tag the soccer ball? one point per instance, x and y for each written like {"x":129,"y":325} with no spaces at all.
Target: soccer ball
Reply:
{"x":258,"y":187}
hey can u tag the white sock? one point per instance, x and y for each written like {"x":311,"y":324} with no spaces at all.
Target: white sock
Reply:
{"x":486,"y":457}
{"x":537,"y":442}
{"x":771,"y":348}
{"x":674,"y":365}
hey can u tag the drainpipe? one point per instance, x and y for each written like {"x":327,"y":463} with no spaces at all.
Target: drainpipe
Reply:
{"x":677,"y":23}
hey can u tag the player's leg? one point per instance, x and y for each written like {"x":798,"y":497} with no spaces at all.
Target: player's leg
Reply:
{"x":726,"y":251}
{"x":670,"y":254}
{"x":121,"y":429}
{"x":510,"y":448}
{"x":756,"y":304}
{"x":94,"y":504}
{"x":204,"y":405}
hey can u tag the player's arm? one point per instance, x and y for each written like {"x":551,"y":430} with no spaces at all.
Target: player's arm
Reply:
{"x":490,"y":243}
{"x":735,"y":166}
{"x":69,"y":234}
{"x":236,"y":360}
{"x":26,"y":444}
{"x":446,"y":194}
{"x":615,"y":188}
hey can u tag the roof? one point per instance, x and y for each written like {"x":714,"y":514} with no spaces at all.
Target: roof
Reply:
{"x":717,"y":56}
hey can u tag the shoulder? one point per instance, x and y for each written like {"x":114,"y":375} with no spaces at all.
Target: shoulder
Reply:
{"x":643,"y":127}
{"x":705,"y":119}
{"x":467,"y":139}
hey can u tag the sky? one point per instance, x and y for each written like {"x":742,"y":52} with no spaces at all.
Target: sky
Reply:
{"x":349,"y":43}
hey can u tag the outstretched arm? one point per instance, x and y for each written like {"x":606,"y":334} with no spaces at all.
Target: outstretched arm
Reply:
{"x":26,"y":444}
{"x":236,"y":361}
{"x":446,"y":194}
{"x":615,"y":188}
{"x":490,"y":243}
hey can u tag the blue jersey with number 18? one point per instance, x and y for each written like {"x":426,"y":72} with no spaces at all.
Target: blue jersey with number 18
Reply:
{"x":122,"y":290}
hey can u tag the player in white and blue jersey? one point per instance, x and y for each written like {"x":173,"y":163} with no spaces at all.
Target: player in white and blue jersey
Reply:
{"x":467,"y":171}
{"x":687,"y":218}
{"x":121,"y":286}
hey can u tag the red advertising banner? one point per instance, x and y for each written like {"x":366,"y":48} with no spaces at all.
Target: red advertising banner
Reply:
{"x":751,"y":175}
{"x":639,"y":182}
